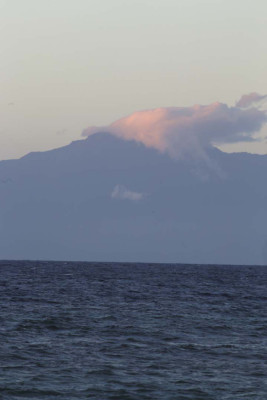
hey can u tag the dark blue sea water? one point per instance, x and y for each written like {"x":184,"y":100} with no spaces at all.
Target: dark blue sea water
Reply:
{"x":132,"y":331}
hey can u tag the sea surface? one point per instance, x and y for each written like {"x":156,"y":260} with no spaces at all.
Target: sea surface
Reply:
{"x":132,"y":331}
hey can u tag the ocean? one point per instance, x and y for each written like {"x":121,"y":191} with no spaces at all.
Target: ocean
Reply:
{"x":80,"y":330}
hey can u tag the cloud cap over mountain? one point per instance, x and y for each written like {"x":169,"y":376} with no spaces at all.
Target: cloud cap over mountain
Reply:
{"x":188,"y":130}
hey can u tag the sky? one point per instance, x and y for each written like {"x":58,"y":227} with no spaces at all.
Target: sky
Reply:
{"x":66,"y":65}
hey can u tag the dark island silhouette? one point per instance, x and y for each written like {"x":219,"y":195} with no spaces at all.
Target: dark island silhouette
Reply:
{"x":108,"y":199}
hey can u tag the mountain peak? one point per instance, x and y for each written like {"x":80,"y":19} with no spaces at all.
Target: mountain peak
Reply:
{"x":105,"y":198}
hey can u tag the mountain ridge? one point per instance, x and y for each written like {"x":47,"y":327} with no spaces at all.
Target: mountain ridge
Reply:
{"x":104,"y":198}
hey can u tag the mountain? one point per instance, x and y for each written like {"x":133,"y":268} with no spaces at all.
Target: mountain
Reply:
{"x":108,"y":199}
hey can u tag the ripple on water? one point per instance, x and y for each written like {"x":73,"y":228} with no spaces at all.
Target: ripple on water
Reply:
{"x":130,"y":331}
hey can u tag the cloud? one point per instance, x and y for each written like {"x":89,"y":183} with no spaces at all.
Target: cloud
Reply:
{"x":182,"y":131}
{"x":248,"y":100}
{"x":122,"y":193}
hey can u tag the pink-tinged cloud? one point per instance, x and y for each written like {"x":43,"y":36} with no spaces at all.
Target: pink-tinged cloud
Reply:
{"x":188,"y":130}
{"x":248,"y":100}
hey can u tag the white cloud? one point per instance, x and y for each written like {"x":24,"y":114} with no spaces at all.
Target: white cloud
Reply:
{"x":190,"y":131}
{"x":122,"y":193}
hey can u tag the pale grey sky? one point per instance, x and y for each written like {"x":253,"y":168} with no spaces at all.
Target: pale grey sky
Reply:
{"x":69,"y":64}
